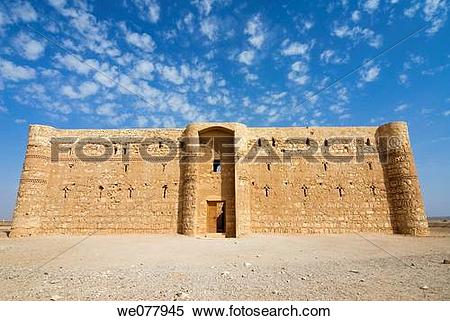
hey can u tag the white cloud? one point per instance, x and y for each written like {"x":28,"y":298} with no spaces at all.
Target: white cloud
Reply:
{"x":401,"y":107}
{"x":108,"y":109}
{"x":447,"y":113}
{"x":371,"y":5}
{"x":24,"y":11}
{"x":171,"y":74}
{"x":94,"y":33}
{"x":11,"y":71}
{"x":153,"y":12}
{"x":140,"y":40}
{"x":209,"y":28}
{"x":337,"y":109}
{"x":357,"y":34}
{"x":370,"y":74}
{"x":141,"y":121}
{"x":255,"y":30}
{"x":76,"y":63}
{"x":411,"y":11}
{"x":356,"y":16}
{"x":204,"y":6}
{"x":329,"y":56}
{"x":296,"y":49}
{"x":28,"y":47}
{"x":435,"y":11}
{"x":144,"y":69}
{"x":3,"y":109}
{"x":148,"y":10}
{"x":299,"y":73}
{"x":86,"y":89}
{"x":187,"y":23}
{"x":403,"y":79}
{"x":20,"y":121}
{"x":246,"y":57}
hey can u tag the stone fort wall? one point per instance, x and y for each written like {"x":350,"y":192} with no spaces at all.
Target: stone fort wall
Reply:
{"x":272,"y":180}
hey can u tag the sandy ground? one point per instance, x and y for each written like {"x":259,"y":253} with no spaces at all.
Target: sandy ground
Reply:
{"x":306,"y":267}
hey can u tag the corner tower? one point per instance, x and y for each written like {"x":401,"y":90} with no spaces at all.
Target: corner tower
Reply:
{"x":31,"y":197}
{"x":402,"y":184}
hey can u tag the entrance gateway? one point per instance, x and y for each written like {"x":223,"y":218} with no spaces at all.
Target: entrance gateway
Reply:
{"x":216,"y":217}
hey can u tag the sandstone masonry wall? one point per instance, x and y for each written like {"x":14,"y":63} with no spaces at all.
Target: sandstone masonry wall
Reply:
{"x":266,"y":188}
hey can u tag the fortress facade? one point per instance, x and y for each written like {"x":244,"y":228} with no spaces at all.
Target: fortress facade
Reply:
{"x":219,"y":178}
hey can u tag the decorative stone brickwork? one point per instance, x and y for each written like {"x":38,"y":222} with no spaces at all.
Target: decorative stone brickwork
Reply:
{"x":265,"y":180}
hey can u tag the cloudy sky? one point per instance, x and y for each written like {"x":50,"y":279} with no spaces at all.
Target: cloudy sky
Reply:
{"x":155,"y":63}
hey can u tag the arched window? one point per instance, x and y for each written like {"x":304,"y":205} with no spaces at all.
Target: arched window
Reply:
{"x":259,"y":142}
{"x":308,"y":142}
{"x":268,"y":166}
{"x":368,"y":142}
{"x":325,"y":143}
{"x":266,"y":190}
{"x":101,"y":188}
{"x":125,"y":151}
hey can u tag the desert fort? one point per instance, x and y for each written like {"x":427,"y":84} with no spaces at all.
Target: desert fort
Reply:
{"x":222,"y":179}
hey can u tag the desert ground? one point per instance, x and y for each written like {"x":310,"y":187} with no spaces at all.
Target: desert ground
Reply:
{"x":259,"y":267}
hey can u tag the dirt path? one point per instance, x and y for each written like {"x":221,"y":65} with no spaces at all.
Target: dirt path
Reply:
{"x":307,"y":267}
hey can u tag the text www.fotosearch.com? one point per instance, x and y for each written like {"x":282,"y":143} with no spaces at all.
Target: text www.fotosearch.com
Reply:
{"x":230,"y":311}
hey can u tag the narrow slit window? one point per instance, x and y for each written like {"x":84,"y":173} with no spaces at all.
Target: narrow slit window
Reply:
{"x":130,"y":192}
{"x":273,"y":142}
{"x":124,"y":151}
{"x":160,"y":145}
{"x":165,"y":187}
{"x":266,"y":190}
{"x":325,"y":166}
{"x":370,"y":165}
{"x":308,"y":142}
{"x":305,"y":190}
{"x":259,"y":142}
{"x":115,"y":150}
{"x":125,"y":168}
{"x":373,"y":189}
{"x":269,"y":166}
{"x":340,"y":191}
{"x":164,"y":167}
{"x":217,"y":168}
{"x":368,"y":142}
{"x":325,"y":143}
{"x":66,"y":191}
{"x":101,"y":188}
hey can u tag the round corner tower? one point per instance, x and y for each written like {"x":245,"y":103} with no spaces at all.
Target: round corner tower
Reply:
{"x":31,"y":196}
{"x":402,"y":184}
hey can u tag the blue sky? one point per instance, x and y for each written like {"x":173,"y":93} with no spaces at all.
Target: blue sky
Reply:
{"x":154,"y":63}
